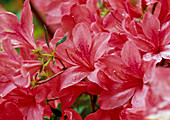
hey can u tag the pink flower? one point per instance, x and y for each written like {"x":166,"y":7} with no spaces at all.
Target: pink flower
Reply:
{"x":15,"y":72}
{"x":9,"y":111}
{"x":158,"y":98}
{"x":20,"y":33}
{"x":80,"y":54}
{"x":105,"y":115}
{"x":128,"y":77}
{"x":151,"y":37}
{"x":29,"y":102}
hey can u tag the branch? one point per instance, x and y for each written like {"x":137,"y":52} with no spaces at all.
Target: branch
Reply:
{"x":40,"y":19}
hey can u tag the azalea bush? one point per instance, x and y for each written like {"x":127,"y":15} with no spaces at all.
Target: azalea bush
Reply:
{"x":97,"y":60}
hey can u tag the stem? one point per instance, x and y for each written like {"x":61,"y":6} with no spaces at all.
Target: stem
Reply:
{"x":64,"y":67}
{"x":40,"y":19}
{"x":52,"y":99}
{"x":162,"y":62}
{"x":93,"y":99}
{"x":50,"y":78}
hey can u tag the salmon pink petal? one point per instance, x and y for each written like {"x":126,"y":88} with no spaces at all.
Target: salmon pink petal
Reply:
{"x":150,"y":25}
{"x":105,"y":115}
{"x":129,"y":57}
{"x":100,"y":44}
{"x":132,"y":113}
{"x":161,"y":82}
{"x":72,"y":114}
{"x":138,"y":99}
{"x":26,"y":19}
{"x":30,"y":66}
{"x":112,"y":99}
{"x":7,"y":47}
{"x":70,"y":94}
{"x":9,"y":111}
{"x":117,"y":4}
{"x":27,"y":104}
{"x":82,"y":38}
{"x":73,"y":75}
{"x":104,"y":65}
{"x":94,"y":89}
{"x":20,"y":80}
{"x":9,"y":21}
{"x":35,"y":112}
{"x":6,"y":85}
{"x":142,"y":44}
{"x":68,"y":23}
{"x":41,"y":92}
{"x":102,"y":80}
{"x":27,"y":24}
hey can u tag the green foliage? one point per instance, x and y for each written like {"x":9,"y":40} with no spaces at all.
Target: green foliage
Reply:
{"x":0,"y":48}
{"x":62,"y":40}
{"x":18,"y":50}
{"x":46,"y":118}
{"x":82,"y":105}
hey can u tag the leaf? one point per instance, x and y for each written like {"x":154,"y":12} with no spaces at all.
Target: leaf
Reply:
{"x":56,"y":112}
{"x":0,"y":48}
{"x":53,"y":62}
{"x":18,"y":50}
{"x":62,"y":40}
{"x":46,"y":118}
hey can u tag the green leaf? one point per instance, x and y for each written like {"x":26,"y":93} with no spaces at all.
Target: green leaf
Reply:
{"x":62,"y":40}
{"x":53,"y":62}
{"x":46,"y":118}
{"x":18,"y":50}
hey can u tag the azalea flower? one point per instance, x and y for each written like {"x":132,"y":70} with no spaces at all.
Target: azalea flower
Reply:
{"x":150,"y":36}
{"x":21,"y":33}
{"x":129,"y":77}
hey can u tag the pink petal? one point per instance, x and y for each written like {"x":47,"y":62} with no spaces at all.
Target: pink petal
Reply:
{"x":82,"y":38}
{"x":129,"y":57}
{"x":30,"y":66}
{"x":161,"y":82}
{"x":100,"y":44}
{"x":150,"y":25}
{"x":142,"y":44}
{"x":117,"y":4}
{"x":20,"y":80}
{"x":138,"y":99}
{"x":72,"y":114}
{"x":9,"y":21}
{"x":7,"y":47}
{"x":27,"y":23}
{"x":109,"y":65}
{"x":68,"y":23}
{"x":6,"y":85}
{"x":100,"y":79}
{"x":132,"y":113}
{"x":70,"y":94}
{"x":73,"y":75}
{"x":9,"y":111}
{"x":104,"y":115}
{"x":26,"y":19}
{"x":112,"y":99}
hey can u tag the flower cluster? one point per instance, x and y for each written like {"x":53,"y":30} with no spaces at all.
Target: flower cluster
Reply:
{"x":117,"y":51}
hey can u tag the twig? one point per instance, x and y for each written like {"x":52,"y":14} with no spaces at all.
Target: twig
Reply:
{"x":40,"y":19}
{"x":50,"y":78}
